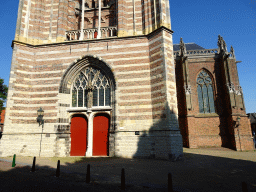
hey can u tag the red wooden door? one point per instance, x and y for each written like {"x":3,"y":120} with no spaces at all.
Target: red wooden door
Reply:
{"x":100,"y":135}
{"x":78,"y":135}
{"x":95,"y":34}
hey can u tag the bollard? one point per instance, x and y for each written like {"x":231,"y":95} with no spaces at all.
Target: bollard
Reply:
{"x":122,"y":180}
{"x":88,"y":174}
{"x":58,"y":169}
{"x":244,"y":187}
{"x":34,"y":165}
{"x":170,"y":187}
{"x":13,"y":161}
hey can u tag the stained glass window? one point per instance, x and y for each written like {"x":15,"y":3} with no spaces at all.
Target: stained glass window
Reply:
{"x":91,"y":81}
{"x":210,"y":94}
{"x":200,"y":99}
{"x":107,"y":96}
{"x":205,"y":93}
{"x":74,"y":97}
{"x":95,"y":97}
{"x":101,"y":96}
{"x":80,"y":97}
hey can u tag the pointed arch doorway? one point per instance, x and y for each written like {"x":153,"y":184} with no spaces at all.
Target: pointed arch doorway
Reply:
{"x":79,"y":126}
{"x":101,"y":135}
{"x":89,"y":85}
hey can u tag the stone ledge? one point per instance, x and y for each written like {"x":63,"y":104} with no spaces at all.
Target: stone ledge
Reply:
{"x":202,"y":115}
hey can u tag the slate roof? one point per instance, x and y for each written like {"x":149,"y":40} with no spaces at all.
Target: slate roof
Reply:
{"x":252,"y":117}
{"x":189,"y":46}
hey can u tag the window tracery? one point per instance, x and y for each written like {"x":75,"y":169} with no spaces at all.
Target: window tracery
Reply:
{"x":205,"y":93}
{"x":91,"y":88}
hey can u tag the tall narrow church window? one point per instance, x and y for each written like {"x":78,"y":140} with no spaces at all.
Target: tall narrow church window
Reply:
{"x":105,"y":3}
{"x":93,"y":4}
{"x":107,"y":95}
{"x":91,"y":88}
{"x":101,"y":96}
{"x":74,"y":97}
{"x":205,"y":93}
{"x":95,"y":97}
{"x":80,"y":97}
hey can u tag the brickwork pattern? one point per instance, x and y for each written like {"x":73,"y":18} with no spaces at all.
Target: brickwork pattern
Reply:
{"x":36,"y":84}
{"x":217,"y":129}
{"x":141,"y":67}
{"x":46,"y":21}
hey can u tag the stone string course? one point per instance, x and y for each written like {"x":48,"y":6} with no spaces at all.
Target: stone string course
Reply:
{"x":34,"y":90}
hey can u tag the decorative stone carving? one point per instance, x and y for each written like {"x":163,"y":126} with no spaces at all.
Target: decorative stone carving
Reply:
{"x":231,"y":87}
{"x":225,"y":47}
{"x":88,"y":20}
{"x":183,"y":50}
{"x":232,"y":52}
{"x":222,"y":45}
{"x":204,"y":78}
{"x":188,"y":89}
{"x":239,"y":90}
{"x":77,"y":12}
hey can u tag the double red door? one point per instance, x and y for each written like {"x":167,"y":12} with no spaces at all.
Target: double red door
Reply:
{"x":100,"y":135}
{"x":78,"y":135}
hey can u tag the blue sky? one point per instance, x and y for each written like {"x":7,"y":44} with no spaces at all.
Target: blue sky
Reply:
{"x":197,"y":21}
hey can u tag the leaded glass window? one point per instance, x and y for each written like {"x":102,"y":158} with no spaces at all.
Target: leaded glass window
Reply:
{"x":91,"y":88}
{"x":205,"y":93}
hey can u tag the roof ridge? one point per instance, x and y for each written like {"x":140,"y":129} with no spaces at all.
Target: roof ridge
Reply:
{"x":186,"y":43}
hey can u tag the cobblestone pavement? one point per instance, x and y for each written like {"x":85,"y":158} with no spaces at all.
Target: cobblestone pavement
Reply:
{"x":208,"y":169}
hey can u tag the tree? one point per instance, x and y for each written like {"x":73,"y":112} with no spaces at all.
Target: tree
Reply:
{"x":3,"y":94}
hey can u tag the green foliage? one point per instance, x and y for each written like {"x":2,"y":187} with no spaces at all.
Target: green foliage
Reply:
{"x":3,"y":94}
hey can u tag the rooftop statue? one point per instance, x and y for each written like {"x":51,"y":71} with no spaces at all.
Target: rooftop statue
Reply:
{"x":222,"y":45}
{"x":183,"y":50}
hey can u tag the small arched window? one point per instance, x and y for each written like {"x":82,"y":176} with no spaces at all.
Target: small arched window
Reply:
{"x":93,"y":4}
{"x":104,"y":3}
{"x":86,"y":5}
{"x":205,"y":93}
{"x":91,"y":89}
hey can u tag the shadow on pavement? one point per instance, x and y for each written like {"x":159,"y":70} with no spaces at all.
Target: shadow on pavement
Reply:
{"x":195,"y":173}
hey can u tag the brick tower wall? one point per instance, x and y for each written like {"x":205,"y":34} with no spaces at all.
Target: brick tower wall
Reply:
{"x":35,"y":80}
{"x":242,"y":133}
{"x":145,"y":95}
{"x":46,"y":21}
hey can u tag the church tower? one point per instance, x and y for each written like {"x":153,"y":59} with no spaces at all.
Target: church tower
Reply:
{"x":102,"y":71}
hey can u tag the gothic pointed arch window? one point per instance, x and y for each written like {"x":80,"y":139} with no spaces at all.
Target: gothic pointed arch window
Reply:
{"x":91,"y":88}
{"x":205,"y":93}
